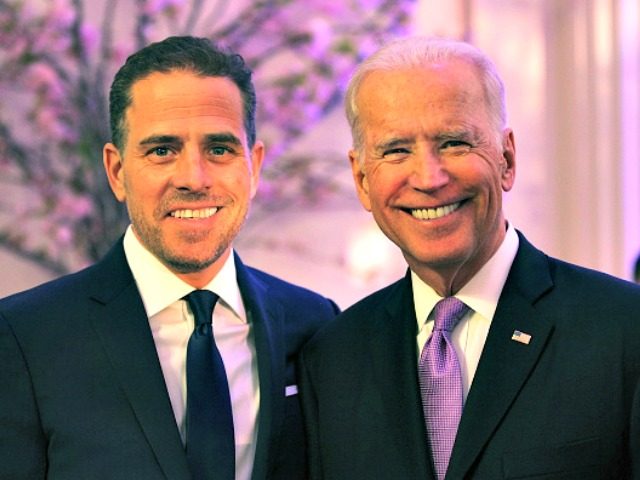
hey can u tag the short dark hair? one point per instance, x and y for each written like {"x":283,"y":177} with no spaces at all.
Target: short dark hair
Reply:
{"x":199,"y":55}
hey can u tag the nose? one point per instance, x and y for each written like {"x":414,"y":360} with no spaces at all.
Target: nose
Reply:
{"x":192,"y":172}
{"x":428,"y":172}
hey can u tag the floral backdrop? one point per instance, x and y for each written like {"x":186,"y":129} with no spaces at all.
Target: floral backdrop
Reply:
{"x":57,"y":59}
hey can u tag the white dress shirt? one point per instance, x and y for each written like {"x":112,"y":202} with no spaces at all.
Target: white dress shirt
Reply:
{"x":171,"y":325}
{"x":481,"y":295}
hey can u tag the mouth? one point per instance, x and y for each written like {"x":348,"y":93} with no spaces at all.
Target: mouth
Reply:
{"x":189,"y":213}
{"x":434,"y":213}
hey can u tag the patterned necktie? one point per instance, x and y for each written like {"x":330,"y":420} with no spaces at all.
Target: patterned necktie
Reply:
{"x":441,"y":383}
{"x":210,"y":442}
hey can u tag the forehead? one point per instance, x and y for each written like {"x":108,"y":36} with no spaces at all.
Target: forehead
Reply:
{"x":447,"y":85}
{"x":182,"y":99}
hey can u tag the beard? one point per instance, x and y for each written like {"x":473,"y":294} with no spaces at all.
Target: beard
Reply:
{"x":185,"y":252}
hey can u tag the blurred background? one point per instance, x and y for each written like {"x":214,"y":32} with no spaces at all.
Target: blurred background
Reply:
{"x":572,"y":75}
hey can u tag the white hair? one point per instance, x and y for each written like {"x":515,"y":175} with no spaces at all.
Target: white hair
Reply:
{"x":415,"y":52}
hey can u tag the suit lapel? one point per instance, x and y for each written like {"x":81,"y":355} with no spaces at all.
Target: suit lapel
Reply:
{"x":121,"y":323}
{"x":266,"y":323}
{"x":394,"y":360}
{"x":505,"y":364}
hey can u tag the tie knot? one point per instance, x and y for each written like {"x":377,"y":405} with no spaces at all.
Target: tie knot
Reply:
{"x":202,"y":303}
{"x":448,"y":312}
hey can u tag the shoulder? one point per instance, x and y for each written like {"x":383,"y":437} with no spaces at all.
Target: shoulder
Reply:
{"x":594,"y":287}
{"x":376,"y":301}
{"x":295,"y":311}
{"x":295,"y":299}
{"x":532,"y":266}
{"x":300,"y":311}
{"x":565,"y":271}
{"x":286,"y":291}
{"x":571,"y":291}
{"x":48,"y":312}
{"x":349,"y":325}
{"x":47,"y":300}
{"x":59,"y":291}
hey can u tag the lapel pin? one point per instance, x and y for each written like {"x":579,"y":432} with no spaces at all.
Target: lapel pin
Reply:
{"x":521,"y":337}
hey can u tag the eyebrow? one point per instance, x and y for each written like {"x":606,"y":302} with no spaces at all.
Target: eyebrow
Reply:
{"x":393,"y":143}
{"x":174,"y":139}
{"x":223,"y":138}
{"x":158,"y":139}
{"x":455,"y":135}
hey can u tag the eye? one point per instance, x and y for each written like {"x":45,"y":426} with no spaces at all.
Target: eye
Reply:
{"x":161,"y":154}
{"x":219,"y":150}
{"x":160,"y":151}
{"x":454,"y":144}
{"x":455,"y":147}
{"x":394,"y":151}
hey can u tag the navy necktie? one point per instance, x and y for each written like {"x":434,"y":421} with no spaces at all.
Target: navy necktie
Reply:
{"x":210,"y":444}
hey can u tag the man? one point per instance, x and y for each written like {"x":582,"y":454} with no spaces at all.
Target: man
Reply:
{"x":540,"y":377}
{"x":93,"y":366}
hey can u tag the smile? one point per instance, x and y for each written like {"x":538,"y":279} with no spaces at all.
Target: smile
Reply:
{"x":199,"y":213}
{"x":433,"y":213}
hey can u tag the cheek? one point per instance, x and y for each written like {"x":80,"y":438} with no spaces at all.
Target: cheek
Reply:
{"x":241,"y":181}
{"x":134,"y":187}
{"x":482,"y":172}
{"x":235,"y":184}
{"x":385,"y":180}
{"x":142,"y":192}
{"x":377,"y":190}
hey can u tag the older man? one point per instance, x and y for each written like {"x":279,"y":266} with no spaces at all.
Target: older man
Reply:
{"x":489,"y":360}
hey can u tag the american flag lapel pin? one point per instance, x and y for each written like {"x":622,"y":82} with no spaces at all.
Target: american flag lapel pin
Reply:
{"x":521,"y":337}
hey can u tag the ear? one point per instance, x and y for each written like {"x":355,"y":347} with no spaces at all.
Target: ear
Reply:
{"x":508,"y":166}
{"x":257,"y":157}
{"x":360,"y":178}
{"x":112,"y":161}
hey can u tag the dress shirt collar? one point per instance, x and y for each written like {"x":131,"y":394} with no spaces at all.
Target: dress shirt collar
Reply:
{"x":482,"y":292}
{"x":159,"y":287}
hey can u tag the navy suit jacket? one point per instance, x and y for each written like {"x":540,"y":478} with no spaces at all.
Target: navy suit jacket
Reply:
{"x":82,"y":395}
{"x":565,"y":406}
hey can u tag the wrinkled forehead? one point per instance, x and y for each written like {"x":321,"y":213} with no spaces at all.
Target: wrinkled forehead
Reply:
{"x":420,"y":94}
{"x":454,"y":80}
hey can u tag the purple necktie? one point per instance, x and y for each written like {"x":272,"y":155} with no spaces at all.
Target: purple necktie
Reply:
{"x":441,"y":383}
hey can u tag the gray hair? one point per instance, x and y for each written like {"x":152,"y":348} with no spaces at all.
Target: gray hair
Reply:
{"x":418,"y":52}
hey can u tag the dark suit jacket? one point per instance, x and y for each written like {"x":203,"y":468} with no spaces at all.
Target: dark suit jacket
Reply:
{"x":566,"y":406}
{"x":82,"y":395}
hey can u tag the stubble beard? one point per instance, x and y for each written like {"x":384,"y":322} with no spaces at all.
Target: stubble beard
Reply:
{"x":153,"y":239}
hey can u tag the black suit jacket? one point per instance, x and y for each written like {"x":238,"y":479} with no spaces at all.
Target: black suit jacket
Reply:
{"x":565,"y":406}
{"x":82,"y":395}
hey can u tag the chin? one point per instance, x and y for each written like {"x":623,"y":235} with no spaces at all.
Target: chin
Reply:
{"x":434,"y":258}
{"x":189,"y":265}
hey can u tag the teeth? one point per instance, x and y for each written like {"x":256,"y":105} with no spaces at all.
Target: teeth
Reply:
{"x":200,"y":213}
{"x":433,"y":213}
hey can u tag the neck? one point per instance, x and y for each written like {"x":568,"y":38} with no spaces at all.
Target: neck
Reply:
{"x":448,"y":278}
{"x":445,"y":283}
